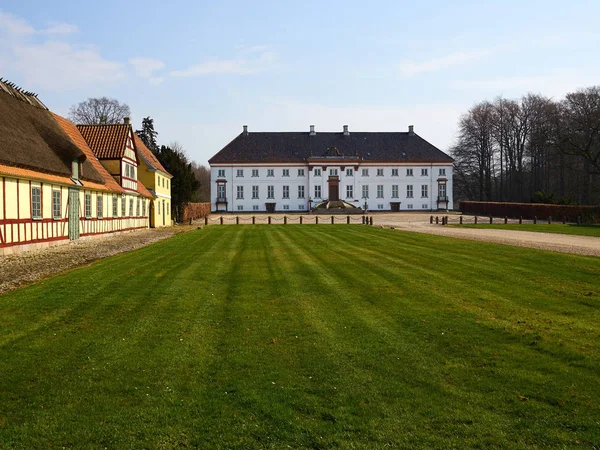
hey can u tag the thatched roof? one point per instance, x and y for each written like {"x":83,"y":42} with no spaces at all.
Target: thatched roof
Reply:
{"x":32,"y":139}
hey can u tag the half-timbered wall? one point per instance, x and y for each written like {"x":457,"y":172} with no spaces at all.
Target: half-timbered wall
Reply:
{"x":129,"y":167}
{"x":21,"y":226}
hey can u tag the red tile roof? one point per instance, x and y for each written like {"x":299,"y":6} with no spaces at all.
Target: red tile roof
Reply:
{"x":143,"y":191}
{"x":147,"y":155}
{"x":107,"y":141}
{"x":73,"y":132}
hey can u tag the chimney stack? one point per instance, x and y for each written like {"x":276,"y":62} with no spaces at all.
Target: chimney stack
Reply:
{"x":126,"y":120}
{"x":411,"y":130}
{"x":245,"y":130}
{"x":312,"y":130}
{"x":346,"y":132}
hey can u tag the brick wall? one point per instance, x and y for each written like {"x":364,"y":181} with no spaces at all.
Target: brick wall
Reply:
{"x":529,"y":210}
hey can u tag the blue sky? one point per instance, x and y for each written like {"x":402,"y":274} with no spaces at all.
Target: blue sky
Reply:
{"x":203,"y":69}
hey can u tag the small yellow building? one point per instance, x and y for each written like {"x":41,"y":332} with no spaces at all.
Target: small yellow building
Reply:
{"x":158,"y":181}
{"x":52,"y":187}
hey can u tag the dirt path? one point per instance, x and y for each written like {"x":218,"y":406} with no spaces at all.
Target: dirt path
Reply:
{"x":27,"y":268}
{"x":564,"y":243}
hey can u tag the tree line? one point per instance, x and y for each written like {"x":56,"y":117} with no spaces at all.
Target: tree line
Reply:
{"x":534,"y":149}
{"x":191,"y":181}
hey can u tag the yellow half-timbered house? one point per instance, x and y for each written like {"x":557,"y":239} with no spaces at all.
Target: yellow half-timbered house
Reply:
{"x":52,"y":187}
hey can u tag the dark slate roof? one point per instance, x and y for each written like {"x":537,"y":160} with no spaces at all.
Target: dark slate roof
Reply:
{"x":296,"y":147}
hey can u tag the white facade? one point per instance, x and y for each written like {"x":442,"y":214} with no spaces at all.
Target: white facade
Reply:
{"x":245,"y":187}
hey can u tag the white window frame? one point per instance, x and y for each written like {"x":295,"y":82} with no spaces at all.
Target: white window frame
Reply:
{"x":255,"y":192}
{"x":380,"y":191}
{"x":349,"y":172}
{"x":286,"y":192}
{"x":395,"y":191}
{"x":349,"y":191}
{"x":271,"y":192}
{"x":394,"y":172}
{"x":300,"y":172}
{"x":424,"y":191}
{"x":88,"y":205}
{"x":239,"y":192}
{"x":286,"y":173}
{"x":220,"y":174}
{"x":301,"y":192}
{"x":100,"y":205}
{"x":318,"y":192}
{"x":317,"y":172}
{"x":365,"y":172}
{"x":255,"y":172}
{"x":270,"y":172}
{"x":36,"y":202}
{"x":409,"y":191}
{"x":424,"y":172}
{"x":379,"y":172}
{"x":56,"y":206}
{"x":365,"y":191}
{"x":409,"y":172}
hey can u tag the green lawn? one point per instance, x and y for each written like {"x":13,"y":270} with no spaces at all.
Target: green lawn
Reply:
{"x":306,"y":336}
{"x":581,"y":230}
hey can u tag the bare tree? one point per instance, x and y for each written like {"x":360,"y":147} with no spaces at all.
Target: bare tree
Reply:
{"x":202,"y":174}
{"x":99,"y":111}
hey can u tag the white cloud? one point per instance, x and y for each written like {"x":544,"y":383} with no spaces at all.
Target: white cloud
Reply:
{"x":60,"y":28}
{"x":155,"y":80}
{"x":145,"y":67}
{"x":238,"y":66}
{"x":557,"y":82}
{"x":13,"y":25}
{"x":50,"y":63}
{"x":410,"y":68}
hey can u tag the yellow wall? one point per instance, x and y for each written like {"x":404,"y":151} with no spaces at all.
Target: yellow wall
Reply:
{"x":161,"y":184}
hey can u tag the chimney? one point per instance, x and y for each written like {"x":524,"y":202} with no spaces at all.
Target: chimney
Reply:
{"x":245,"y":130}
{"x":126,"y":120}
{"x":411,"y":130}
{"x":346,"y":132}
{"x":312,"y":130}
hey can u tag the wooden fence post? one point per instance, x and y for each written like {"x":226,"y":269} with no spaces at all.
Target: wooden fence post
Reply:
{"x":475,"y":220}
{"x":461,"y":219}
{"x":300,"y":220}
{"x":505,"y":220}
{"x":534,"y":220}
{"x":205,"y":220}
{"x":371,"y":220}
{"x":317,"y":220}
{"x":549,"y":220}
{"x":285,"y":220}
{"x":237,"y":220}
{"x":253,"y":220}
{"x":221,"y":220}
{"x":269,"y":221}
{"x":348,"y":220}
{"x":520,"y":220}
{"x":491,"y":220}
{"x":363,"y":220}
{"x":332,"y":219}
{"x":430,"y":219}
{"x":437,"y":220}
{"x":446,"y":221}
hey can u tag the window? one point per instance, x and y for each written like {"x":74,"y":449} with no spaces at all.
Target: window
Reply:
{"x":409,"y":206}
{"x":254,"y":172}
{"x":254,"y":207}
{"x":349,"y":172}
{"x":56,"y":203}
{"x":300,"y":172}
{"x":424,"y":172}
{"x":240,"y":192}
{"x":144,"y":208}
{"x":424,"y":193}
{"x":443,"y":172}
{"x":409,"y":191}
{"x":254,"y":191}
{"x":365,"y":172}
{"x":317,"y":191}
{"x":365,"y":191}
{"x":221,"y":191}
{"x":114,"y":206}
{"x":301,"y":207}
{"x":394,"y":191}
{"x":380,"y":191}
{"x":286,"y":192}
{"x":99,"y":200}
{"x":349,"y":191}
{"x":270,"y":191}
{"x":240,"y":173}
{"x":270,"y":173}
{"x":333,"y":172}
{"x":317,"y":172}
{"x":88,"y":205}
{"x":158,"y":207}
{"x":300,"y":191}
{"x":442,"y":191}
{"x":240,"y":208}
{"x":425,"y":206}
{"x":122,"y":206}
{"x":36,"y":202}
{"x":286,"y":207}
{"x":379,"y":206}
{"x":286,"y":172}
{"x":409,"y":172}
{"x":168,"y":209}
{"x":130,"y":207}
{"x":379,"y":172}
{"x":137,"y":209}
{"x":167,"y":184}
{"x":221,"y":174}
{"x":127,"y":172}
{"x":394,"y":172}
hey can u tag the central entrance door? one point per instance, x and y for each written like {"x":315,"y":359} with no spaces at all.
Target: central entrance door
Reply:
{"x":334,"y":188}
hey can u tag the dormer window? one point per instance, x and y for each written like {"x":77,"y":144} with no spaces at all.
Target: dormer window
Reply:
{"x":75,"y":169}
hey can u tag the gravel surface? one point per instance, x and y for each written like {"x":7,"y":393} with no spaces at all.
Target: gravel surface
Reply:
{"x":27,"y":268}
{"x":564,"y":243}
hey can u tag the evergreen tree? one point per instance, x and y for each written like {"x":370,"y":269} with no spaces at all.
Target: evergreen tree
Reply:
{"x":148,"y":135}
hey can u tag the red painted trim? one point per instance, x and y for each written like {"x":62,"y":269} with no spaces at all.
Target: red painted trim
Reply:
{"x":127,"y":158}
{"x":34,"y":241}
{"x":13,"y":221}
{"x":130,"y":179}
